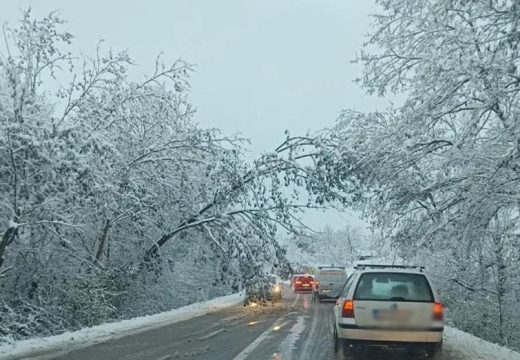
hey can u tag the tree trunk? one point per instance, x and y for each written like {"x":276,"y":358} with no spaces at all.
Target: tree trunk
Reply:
{"x":500,"y":286}
{"x":102,"y":240}
{"x":7,"y":238}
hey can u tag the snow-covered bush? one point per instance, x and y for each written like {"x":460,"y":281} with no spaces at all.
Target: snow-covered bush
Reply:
{"x":23,"y":319}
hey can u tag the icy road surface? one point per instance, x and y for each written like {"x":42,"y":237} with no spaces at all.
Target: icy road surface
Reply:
{"x":298,"y":328}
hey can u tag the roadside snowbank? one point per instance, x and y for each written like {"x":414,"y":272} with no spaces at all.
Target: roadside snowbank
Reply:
{"x":96,"y":334}
{"x":459,"y":345}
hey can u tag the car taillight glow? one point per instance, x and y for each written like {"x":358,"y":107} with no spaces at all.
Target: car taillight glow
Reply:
{"x":298,"y":282}
{"x":438,"y":312}
{"x":348,"y":309}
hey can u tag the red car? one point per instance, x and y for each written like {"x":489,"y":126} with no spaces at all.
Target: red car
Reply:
{"x":303,"y":283}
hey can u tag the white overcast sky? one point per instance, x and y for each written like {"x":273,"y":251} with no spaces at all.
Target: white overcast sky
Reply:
{"x":262,"y":66}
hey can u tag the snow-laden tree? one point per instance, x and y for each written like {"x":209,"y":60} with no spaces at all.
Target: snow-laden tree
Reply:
{"x":340,"y":247}
{"x":110,"y":192}
{"x":440,"y":173}
{"x":66,"y":168}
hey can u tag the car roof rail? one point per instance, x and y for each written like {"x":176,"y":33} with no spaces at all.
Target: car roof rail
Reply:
{"x":421,"y":268}
{"x":331,"y":267}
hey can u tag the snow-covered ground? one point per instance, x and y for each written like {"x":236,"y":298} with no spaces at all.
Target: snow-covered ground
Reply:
{"x":92,"y":335}
{"x":463,"y":346}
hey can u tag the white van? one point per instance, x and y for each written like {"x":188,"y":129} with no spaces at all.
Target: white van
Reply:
{"x":328,"y":282}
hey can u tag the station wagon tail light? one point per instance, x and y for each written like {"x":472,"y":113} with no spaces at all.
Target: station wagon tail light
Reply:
{"x":438,"y":312}
{"x":348,"y":309}
{"x":298,"y":282}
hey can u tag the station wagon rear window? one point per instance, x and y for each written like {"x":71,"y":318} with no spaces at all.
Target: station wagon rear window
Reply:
{"x":387,"y":286}
{"x":332,"y":276}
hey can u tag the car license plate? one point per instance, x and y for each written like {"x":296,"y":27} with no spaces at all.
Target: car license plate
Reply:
{"x":305,"y":285}
{"x":326,"y":291}
{"x":391,"y":315}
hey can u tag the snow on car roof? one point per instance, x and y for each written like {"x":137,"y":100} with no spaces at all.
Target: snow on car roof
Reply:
{"x":330,"y":267}
{"x":389,"y":268}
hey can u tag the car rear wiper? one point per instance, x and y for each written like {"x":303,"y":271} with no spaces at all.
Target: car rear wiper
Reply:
{"x":397,"y":298}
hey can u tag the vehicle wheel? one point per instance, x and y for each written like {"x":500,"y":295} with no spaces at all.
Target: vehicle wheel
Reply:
{"x":339,"y":347}
{"x":434,"y":352}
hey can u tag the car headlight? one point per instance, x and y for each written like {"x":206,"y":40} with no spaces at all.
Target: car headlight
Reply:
{"x":276,"y":288}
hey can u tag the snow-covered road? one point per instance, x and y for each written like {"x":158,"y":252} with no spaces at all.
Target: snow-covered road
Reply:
{"x":296,"y":329}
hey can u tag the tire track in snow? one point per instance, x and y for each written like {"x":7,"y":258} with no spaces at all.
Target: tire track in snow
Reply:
{"x":316,"y":341}
{"x":279,"y":323}
{"x":288,"y":344}
{"x":311,"y":338}
{"x":248,"y":350}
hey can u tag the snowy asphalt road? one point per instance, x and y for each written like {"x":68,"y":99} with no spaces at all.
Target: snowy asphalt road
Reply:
{"x":296,"y":329}
{"x":231,"y":334}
